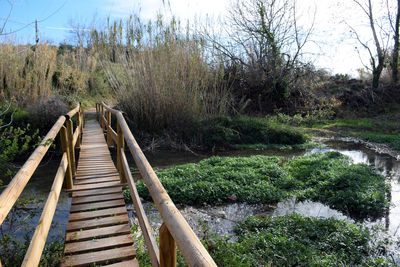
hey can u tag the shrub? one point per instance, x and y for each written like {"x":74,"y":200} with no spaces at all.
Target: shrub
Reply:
{"x":295,"y":240}
{"x":46,"y":112}
{"x":228,"y":131}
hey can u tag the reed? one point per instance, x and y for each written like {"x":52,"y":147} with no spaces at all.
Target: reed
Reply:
{"x":161,"y":74}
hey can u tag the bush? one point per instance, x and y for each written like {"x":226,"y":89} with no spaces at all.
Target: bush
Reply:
{"x":295,"y":240}
{"x":229,"y":131}
{"x":46,"y":112}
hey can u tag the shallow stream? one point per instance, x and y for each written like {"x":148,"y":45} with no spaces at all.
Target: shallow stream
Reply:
{"x":222,"y":219}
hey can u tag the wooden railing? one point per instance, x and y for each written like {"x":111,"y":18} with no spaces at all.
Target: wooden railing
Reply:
{"x":174,"y":230}
{"x":70,"y":139}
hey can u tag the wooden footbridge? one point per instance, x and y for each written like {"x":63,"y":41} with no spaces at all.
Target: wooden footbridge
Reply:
{"x":98,"y":231}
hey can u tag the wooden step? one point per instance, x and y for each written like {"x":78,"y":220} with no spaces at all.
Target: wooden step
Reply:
{"x":114,"y":178}
{"x":95,"y":186}
{"x":96,"y":192}
{"x":130,"y":263}
{"x":90,"y":199}
{"x":99,"y":257}
{"x":96,"y":223}
{"x":98,"y":244}
{"x":98,"y":205}
{"x":97,"y":233}
{"x":79,"y":216}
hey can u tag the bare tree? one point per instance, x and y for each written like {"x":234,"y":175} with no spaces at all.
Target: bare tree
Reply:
{"x":264,"y":39}
{"x":380,"y":39}
{"x":395,"y":53}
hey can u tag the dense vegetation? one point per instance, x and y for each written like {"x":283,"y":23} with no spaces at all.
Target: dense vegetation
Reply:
{"x":330,"y":178}
{"x":183,"y":88}
{"x":294,"y":240}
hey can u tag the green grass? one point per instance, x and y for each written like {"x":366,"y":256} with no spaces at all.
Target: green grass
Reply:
{"x":245,"y":131}
{"x":354,"y":189}
{"x":295,"y":240}
{"x":373,"y":130}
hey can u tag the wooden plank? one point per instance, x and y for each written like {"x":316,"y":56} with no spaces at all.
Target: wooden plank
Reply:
{"x":98,"y":205}
{"x":100,"y":257}
{"x":94,"y":176}
{"x":98,"y":244}
{"x":97,"y":233}
{"x":89,"y":199}
{"x":130,"y":263}
{"x":79,"y":216}
{"x":94,"y":223}
{"x":32,"y":256}
{"x":96,"y":180}
{"x":96,"y":186}
{"x":97,"y":191}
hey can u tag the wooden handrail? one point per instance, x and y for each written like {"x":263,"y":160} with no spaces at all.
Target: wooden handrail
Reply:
{"x":18,"y":183}
{"x":74,"y":111}
{"x":9,"y":196}
{"x":32,"y":256}
{"x":189,"y":244}
{"x":147,"y":231}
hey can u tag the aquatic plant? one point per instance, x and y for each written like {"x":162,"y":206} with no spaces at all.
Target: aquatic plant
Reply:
{"x":295,"y":240}
{"x":329,"y":178}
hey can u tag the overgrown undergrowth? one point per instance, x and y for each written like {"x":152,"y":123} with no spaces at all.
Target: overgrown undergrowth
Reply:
{"x":330,"y":178}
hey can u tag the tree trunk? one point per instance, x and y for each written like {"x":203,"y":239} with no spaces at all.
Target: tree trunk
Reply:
{"x":379,"y":51}
{"x":395,"y":56}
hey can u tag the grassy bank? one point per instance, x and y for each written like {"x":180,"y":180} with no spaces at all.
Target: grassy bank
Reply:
{"x":378,"y":130}
{"x":295,"y":240}
{"x":383,"y":129}
{"x":330,"y":178}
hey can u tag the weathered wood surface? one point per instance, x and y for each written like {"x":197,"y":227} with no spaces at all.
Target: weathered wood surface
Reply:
{"x":32,"y":256}
{"x":98,"y":229}
{"x":189,"y":244}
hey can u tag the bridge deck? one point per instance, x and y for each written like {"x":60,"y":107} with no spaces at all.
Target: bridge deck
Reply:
{"x":98,"y":229}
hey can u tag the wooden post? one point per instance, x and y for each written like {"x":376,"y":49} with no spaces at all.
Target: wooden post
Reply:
{"x":82,"y":117}
{"x":101,"y":119}
{"x":78,"y":126}
{"x":167,"y":248}
{"x":109,"y":137}
{"x":65,"y":148}
{"x":97,"y":111}
{"x":120,"y":145}
{"x":70,"y":136}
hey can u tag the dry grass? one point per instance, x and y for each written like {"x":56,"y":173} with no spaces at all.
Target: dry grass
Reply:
{"x":161,"y":78}
{"x":26,"y":73}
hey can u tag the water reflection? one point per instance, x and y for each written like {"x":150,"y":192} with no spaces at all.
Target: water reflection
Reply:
{"x":222,"y":219}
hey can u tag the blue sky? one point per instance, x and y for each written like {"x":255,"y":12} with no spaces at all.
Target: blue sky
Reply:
{"x":60,"y":13}
{"x":334,"y":51}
